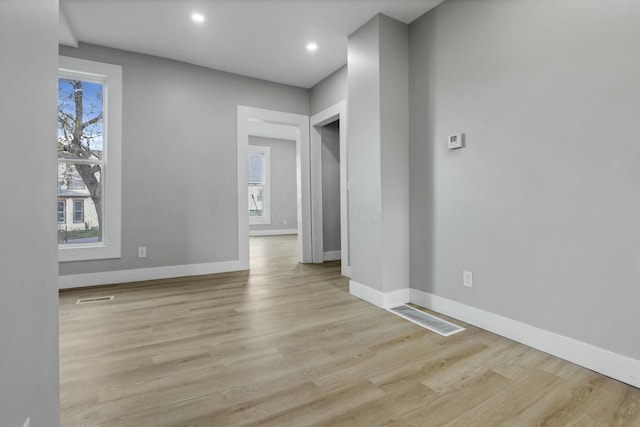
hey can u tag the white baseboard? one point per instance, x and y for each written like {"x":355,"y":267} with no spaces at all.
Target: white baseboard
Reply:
{"x":380,"y":299}
{"x":140,"y":274}
{"x":608,"y":363}
{"x":617,"y":366}
{"x":346,"y":271}
{"x":273,"y":232}
{"x":332,"y":255}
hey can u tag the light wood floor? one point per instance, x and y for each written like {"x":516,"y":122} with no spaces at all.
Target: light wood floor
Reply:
{"x":286,"y":345}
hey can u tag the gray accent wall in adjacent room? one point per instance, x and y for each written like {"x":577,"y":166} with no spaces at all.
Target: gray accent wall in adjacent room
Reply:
{"x":331,"y":186}
{"x":28,"y":254}
{"x":283,"y":185}
{"x":179,"y":178}
{"x":542,"y":203}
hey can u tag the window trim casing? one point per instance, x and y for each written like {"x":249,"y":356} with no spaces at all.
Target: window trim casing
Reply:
{"x":111,"y":75}
{"x":265,"y":219}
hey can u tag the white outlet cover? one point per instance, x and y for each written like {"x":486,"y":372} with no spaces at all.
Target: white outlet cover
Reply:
{"x":467,"y":279}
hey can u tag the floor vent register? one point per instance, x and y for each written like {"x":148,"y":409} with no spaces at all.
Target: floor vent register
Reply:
{"x":94,"y":300}
{"x":426,"y":320}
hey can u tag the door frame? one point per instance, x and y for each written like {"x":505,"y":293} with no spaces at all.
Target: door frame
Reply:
{"x":326,"y":116}
{"x":301,"y":122}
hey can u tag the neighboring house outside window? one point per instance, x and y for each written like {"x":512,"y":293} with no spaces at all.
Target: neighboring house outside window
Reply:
{"x":76,"y":224}
{"x":62,"y":215}
{"x":89,"y":121}
{"x":259,"y":201}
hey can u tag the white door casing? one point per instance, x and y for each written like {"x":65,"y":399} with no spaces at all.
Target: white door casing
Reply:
{"x":329,"y":115}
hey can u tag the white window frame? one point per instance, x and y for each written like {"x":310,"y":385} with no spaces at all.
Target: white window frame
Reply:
{"x":266,"y":185}
{"x":111,"y":77}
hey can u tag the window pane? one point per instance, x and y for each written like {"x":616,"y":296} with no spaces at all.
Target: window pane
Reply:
{"x":258,"y":190}
{"x":256,"y":168}
{"x":255,"y":200}
{"x":79,"y":186}
{"x":80,"y":119}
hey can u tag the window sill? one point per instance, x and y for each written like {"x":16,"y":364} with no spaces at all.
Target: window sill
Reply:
{"x":257,"y":220}
{"x":86,"y":252}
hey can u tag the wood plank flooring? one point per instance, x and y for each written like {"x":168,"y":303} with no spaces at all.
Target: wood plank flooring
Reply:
{"x":286,"y":345}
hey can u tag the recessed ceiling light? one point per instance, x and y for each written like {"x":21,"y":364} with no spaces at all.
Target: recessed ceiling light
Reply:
{"x":312,"y":47}
{"x":197,"y":17}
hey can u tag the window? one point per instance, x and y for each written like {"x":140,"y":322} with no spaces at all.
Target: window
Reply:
{"x":62,"y":207}
{"x":78,"y":211}
{"x":88,"y":141}
{"x":259,"y":212}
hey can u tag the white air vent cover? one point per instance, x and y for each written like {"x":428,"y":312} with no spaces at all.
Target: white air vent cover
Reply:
{"x":428,"y":321}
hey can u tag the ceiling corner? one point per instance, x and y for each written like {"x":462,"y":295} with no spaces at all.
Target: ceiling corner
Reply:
{"x":66,"y":35}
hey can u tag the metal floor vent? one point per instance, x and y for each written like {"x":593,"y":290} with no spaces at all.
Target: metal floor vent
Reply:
{"x":428,"y":321}
{"x":96,"y":299}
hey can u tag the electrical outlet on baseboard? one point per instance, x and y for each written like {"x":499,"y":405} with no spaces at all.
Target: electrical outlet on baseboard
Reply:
{"x":142,"y":252}
{"x":467,"y":279}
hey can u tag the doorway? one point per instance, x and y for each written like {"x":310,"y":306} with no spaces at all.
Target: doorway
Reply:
{"x":328,"y":125}
{"x":248,"y":119}
{"x":272,"y":202}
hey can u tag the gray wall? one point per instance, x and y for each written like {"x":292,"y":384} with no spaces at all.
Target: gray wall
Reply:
{"x":283,"y":187}
{"x":394,"y":151}
{"x":329,"y":91}
{"x":28,"y":253}
{"x":542,"y":204}
{"x":363,"y":134}
{"x":378,"y":160}
{"x":179,"y":179}
{"x":330,"y":152}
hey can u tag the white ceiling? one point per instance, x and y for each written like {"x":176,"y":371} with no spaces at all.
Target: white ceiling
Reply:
{"x":265,"y":39}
